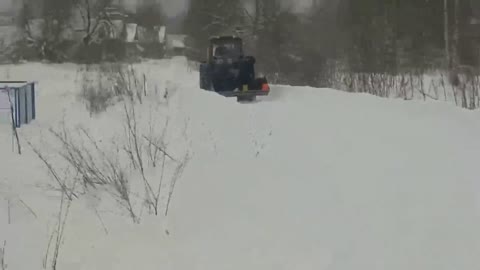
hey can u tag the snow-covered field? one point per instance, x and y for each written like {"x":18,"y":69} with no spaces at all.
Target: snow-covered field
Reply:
{"x":303,"y":179}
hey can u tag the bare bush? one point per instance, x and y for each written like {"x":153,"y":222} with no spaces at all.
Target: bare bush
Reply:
{"x":178,"y":172}
{"x":66,"y":187}
{"x":465,"y":81}
{"x":96,"y":95}
{"x":147,"y":149}
{"x":125,"y":80}
{"x":57,"y":234}
{"x":106,"y":84}
{"x":3,"y":264}
{"x":93,"y":167}
{"x":135,"y":167}
{"x":463,"y":90}
{"x":89,"y":167}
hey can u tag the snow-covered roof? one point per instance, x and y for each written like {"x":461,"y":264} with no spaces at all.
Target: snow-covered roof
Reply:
{"x":13,"y":84}
{"x":162,"y":34}
{"x":176,"y":41}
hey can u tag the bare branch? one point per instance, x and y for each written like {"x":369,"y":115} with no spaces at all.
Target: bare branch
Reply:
{"x":161,"y":149}
{"x":3,"y":264}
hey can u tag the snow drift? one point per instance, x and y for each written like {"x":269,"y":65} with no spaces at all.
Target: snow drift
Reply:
{"x":303,"y":179}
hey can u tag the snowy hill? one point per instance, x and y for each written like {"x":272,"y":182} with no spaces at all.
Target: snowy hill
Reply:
{"x":303,"y":179}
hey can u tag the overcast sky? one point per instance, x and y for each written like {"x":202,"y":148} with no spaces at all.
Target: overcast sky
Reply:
{"x":174,"y":7}
{"x":5,"y":4}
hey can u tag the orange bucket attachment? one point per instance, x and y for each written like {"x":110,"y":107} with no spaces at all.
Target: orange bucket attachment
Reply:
{"x":265,"y":87}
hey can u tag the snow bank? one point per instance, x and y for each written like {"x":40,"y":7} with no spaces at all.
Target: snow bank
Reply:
{"x":319,"y":179}
{"x":98,"y":234}
{"x":303,"y":179}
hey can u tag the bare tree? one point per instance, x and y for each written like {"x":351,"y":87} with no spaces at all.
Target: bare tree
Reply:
{"x":58,"y":234}
{"x":54,"y":16}
{"x":447,"y":34}
{"x":93,"y":14}
{"x":3,"y":264}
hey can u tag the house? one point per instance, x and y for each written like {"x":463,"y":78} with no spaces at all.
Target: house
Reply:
{"x":121,"y":29}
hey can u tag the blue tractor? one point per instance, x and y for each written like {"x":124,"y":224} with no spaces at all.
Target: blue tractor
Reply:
{"x":228,"y":72}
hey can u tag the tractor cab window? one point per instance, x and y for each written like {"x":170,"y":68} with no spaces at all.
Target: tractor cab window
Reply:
{"x":220,"y":51}
{"x":226,"y":50}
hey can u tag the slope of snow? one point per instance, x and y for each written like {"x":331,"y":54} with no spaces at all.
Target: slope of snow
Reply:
{"x":303,"y":179}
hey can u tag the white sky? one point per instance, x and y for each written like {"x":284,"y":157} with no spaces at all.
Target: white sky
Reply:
{"x":174,"y":7}
{"x":5,"y":4}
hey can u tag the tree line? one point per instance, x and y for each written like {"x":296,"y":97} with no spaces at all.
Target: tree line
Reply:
{"x":368,"y":36}
{"x":90,"y":21}
{"x":385,"y":36}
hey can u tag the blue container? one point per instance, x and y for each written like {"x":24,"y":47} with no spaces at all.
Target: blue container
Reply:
{"x":20,"y":98}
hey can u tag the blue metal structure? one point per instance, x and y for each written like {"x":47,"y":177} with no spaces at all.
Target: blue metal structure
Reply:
{"x":21,"y":99}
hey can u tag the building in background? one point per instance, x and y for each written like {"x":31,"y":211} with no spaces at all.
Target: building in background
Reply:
{"x":122,"y":29}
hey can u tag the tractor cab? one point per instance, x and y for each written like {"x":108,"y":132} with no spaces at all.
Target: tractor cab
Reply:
{"x":229,"y":72}
{"x":230,"y":47}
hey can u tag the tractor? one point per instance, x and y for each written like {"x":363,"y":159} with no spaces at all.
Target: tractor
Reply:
{"x":228,"y":72}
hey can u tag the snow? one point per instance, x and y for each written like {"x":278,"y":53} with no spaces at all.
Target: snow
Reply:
{"x":175,"y":41}
{"x":302,"y":179}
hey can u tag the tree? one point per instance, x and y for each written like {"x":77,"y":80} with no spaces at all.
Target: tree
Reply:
{"x":393,"y":35}
{"x":446,"y":26}
{"x":93,"y":14}
{"x":54,"y":15}
{"x":149,"y":14}
{"x":206,"y":18}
